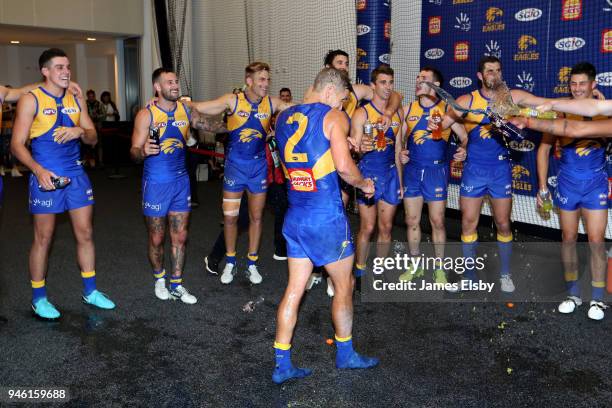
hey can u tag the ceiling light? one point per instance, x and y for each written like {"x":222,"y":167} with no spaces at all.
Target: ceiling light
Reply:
{"x":91,"y":39}
{"x":15,"y":42}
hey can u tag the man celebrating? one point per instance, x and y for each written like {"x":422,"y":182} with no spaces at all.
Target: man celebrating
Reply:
{"x":54,"y":121}
{"x":312,"y":138}
{"x":425,"y":173}
{"x":245,"y":167}
{"x":381,"y":164}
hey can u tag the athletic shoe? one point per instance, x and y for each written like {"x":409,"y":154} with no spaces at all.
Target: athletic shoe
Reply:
{"x":180,"y":292}
{"x":506,"y":284}
{"x":314,"y":279}
{"x":254,"y":275}
{"x":228,"y":274}
{"x":569,"y":304}
{"x":160,"y":289}
{"x":330,"y":288}
{"x":99,"y":299}
{"x":596,"y":311}
{"x":212,"y":265}
{"x":44,"y":309}
{"x":279,"y":257}
{"x":440,"y":276}
{"x":409,"y":275}
{"x":15,"y":172}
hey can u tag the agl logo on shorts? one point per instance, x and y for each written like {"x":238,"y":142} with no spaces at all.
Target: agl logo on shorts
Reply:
{"x":435,"y":25}
{"x":462,"y":51}
{"x":571,"y":10}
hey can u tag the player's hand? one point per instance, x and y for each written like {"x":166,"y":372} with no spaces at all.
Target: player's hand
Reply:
{"x":75,"y":89}
{"x":150,"y":148}
{"x":404,"y":156}
{"x":518,"y":121}
{"x":352,"y":144}
{"x":401,"y":193}
{"x":64,"y":134}
{"x":432,"y":124}
{"x":599,"y":95}
{"x":545,"y":107}
{"x":385,"y":121}
{"x":367,"y":143}
{"x":539,"y":201}
{"x":367,"y":187}
{"x":460,"y":154}
{"x":44,"y":179}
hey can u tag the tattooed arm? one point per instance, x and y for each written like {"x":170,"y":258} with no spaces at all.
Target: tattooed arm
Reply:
{"x":566,"y":127}
{"x":201,"y":122}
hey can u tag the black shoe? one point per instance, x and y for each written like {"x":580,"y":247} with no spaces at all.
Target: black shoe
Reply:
{"x":358,"y":284}
{"x":212,"y":265}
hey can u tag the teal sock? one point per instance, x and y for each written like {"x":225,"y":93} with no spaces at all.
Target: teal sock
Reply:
{"x":89,"y":282}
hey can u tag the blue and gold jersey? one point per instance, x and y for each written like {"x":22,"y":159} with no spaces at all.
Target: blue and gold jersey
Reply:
{"x":306,"y":157}
{"x":52,"y":113}
{"x":582,"y":155}
{"x":423,"y":149}
{"x":351,"y":104}
{"x":248,"y":123}
{"x":485,"y":143}
{"x":383,"y":154}
{"x":173,"y":128}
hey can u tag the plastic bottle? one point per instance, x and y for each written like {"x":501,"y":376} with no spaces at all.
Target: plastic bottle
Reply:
{"x":437,"y":119}
{"x":546,"y":201}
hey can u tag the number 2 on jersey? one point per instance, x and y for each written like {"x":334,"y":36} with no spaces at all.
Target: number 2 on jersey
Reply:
{"x":290,"y":156}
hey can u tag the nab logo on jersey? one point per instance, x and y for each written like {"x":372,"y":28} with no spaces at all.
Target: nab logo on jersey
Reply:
{"x":571,"y":10}
{"x":462,"y":51}
{"x":49,"y":111}
{"x":435,"y":25}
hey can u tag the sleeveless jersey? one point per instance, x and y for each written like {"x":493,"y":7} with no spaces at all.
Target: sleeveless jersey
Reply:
{"x":485,"y":144}
{"x":248,"y":123}
{"x":582,"y":155}
{"x":423,"y":149}
{"x":351,"y":104}
{"x":382,"y":156}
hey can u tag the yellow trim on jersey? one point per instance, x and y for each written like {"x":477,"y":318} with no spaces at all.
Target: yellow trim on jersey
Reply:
{"x":159,"y":119}
{"x":580,"y":144}
{"x":243,"y":112}
{"x":47,"y":112}
{"x":416,"y":111}
{"x":350,"y":105}
{"x":473,"y":120}
{"x":323,"y":166}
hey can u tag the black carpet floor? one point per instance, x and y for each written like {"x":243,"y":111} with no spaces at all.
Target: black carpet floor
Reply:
{"x":153,"y":353}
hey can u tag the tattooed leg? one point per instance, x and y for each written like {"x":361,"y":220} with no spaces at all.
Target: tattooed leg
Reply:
{"x":157,"y":230}
{"x":179,"y":222}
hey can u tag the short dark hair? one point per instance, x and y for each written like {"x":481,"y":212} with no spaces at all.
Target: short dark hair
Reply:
{"x":437,"y":75}
{"x":105,"y":93}
{"x":487,"y":59}
{"x":285,"y":90}
{"x":381,"y":69}
{"x":255,"y":67}
{"x":584,"y":68}
{"x":48,"y":55}
{"x":329,"y":58}
{"x":158,"y":73}
{"x":91,"y":91}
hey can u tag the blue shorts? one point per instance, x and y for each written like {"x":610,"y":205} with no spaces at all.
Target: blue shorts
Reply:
{"x":251,"y":174}
{"x":494,"y":180}
{"x":78,"y":193}
{"x":160,"y":198}
{"x":429,"y":182}
{"x":573,"y":193}
{"x":386,"y":185}
{"x":321,"y":235}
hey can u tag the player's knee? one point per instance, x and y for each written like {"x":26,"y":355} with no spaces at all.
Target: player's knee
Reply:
{"x":503,"y":227}
{"x":255,"y":218}
{"x":84,"y":235}
{"x":412,"y":221}
{"x":569,"y":236}
{"x":231,"y":207}
{"x":156,"y":239}
{"x":43,"y":239}
{"x":437,"y":223}
{"x":384,"y":231}
{"x":367,"y":228}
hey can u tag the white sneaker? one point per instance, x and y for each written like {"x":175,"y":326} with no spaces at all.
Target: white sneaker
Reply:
{"x":279,"y":257}
{"x":314,"y":279}
{"x":160,"y":289}
{"x":254,"y":275}
{"x":506,"y":284}
{"x":181,"y":293}
{"x":569,"y":304}
{"x":15,"y":172}
{"x":596,"y":311}
{"x":330,"y":288}
{"x":228,"y":274}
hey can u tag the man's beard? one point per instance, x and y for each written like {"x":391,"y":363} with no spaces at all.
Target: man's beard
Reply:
{"x":169,"y":97}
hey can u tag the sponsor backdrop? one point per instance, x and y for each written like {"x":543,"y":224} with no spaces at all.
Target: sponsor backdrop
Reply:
{"x":373,"y":36}
{"x":537,"y":42}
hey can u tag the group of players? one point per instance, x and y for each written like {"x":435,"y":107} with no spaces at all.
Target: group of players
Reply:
{"x":403,"y":159}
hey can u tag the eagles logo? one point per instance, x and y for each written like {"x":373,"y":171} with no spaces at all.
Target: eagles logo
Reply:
{"x":420,"y":136}
{"x":168,"y":146}
{"x":525,"y":41}
{"x":585,"y":147}
{"x":485,"y":133}
{"x":248,"y":135}
{"x":493,"y":12}
{"x":518,"y":171}
{"x":564,"y":74}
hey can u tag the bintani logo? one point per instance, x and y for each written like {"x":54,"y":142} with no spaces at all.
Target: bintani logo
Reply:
{"x":493,"y":17}
{"x":606,"y":40}
{"x":362,"y":5}
{"x":435,"y":25}
{"x":387,"y":30}
{"x":525,"y":54}
{"x":462,"y":1}
{"x":462,"y":51}
{"x":571,"y":10}
{"x":563,"y":76}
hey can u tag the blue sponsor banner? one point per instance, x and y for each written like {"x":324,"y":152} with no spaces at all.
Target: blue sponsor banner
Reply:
{"x":373,"y":36}
{"x":538,"y":42}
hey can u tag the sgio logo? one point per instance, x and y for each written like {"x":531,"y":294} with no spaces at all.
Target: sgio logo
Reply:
{"x":522,"y":146}
{"x":604,"y":79}
{"x":570,"y":44}
{"x":363,"y":29}
{"x":528,"y":14}
{"x":460,"y":82}
{"x":434,"y":53}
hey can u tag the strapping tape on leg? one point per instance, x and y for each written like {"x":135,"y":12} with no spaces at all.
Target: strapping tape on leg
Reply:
{"x":231,"y":206}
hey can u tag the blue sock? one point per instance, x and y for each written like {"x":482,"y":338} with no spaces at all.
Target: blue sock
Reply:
{"x":89,"y":282}
{"x":504,"y":245}
{"x":359,"y":270}
{"x":159,"y":274}
{"x":571,"y":283}
{"x":175,"y":281}
{"x":346,"y":357}
{"x":470,"y":242}
{"x":283,"y":368}
{"x":597,"y":290}
{"x":39,"y":290}
{"x":230,"y":258}
{"x":252,"y":259}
